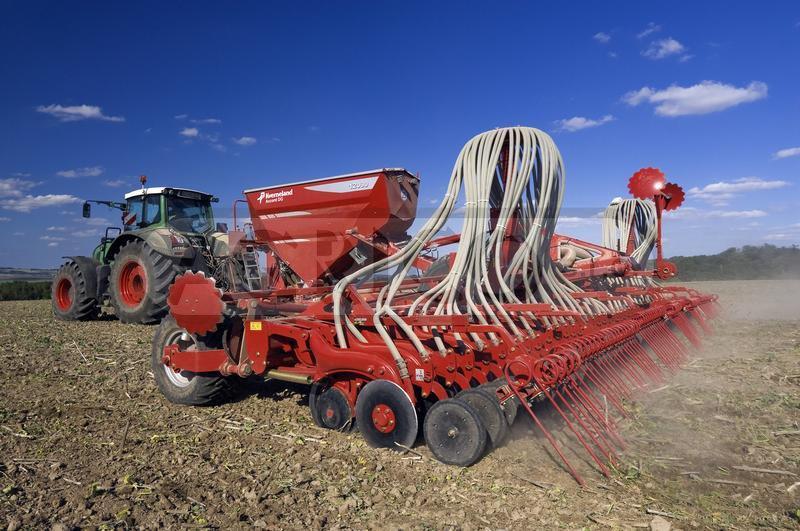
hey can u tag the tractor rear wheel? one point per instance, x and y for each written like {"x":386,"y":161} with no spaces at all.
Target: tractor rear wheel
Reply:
{"x":140,"y":279}
{"x":74,"y":290}
{"x":185,"y":387}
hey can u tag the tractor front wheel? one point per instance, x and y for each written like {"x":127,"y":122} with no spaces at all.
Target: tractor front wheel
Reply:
{"x":140,"y":279}
{"x":74,"y":290}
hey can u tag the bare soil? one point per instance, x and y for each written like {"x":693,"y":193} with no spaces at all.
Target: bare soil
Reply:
{"x":86,"y":440}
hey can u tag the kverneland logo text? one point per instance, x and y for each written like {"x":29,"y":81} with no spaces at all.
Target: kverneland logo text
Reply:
{"x":274,"y":197}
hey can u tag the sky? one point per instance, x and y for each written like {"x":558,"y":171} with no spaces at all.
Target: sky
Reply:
{"x":223,"y":97}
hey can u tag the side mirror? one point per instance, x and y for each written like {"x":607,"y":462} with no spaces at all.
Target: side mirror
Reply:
{"x":222,"y":227}
{"x":87,"y":210}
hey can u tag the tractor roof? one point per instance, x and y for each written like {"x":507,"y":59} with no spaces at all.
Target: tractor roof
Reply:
{"x":168,"y":190}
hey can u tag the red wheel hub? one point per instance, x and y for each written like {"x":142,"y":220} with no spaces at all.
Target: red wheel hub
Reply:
{"x":132,"y":284}
{"x":64,"y":294}
{"x":383,"y":418}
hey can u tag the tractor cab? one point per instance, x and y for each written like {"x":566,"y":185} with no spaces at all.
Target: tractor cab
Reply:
{"x":183,"y":210}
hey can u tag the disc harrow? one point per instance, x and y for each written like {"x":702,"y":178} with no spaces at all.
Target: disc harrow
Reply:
{"x":458,"y":335}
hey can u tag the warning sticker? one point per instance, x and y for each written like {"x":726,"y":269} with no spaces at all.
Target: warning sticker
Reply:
{"x":255,"y":325}
{"x":419,"y":375}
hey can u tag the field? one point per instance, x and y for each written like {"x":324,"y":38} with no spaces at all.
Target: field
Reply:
{"x":87,"y":440}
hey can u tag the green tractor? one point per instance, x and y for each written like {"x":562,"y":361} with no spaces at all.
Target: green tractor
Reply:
{"x":165,"y":232}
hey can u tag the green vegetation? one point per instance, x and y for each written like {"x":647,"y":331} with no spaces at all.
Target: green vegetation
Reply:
{"x":19,"y":290}
{"x":747,"y":263}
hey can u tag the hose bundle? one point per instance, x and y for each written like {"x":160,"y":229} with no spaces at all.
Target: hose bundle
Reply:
{"x":625,"y":218}
{"x":513,"y":183}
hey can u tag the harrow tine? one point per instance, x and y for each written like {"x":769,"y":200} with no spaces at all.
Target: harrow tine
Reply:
{"x":600,"y":431}
{"x":645,"y":366}
{"x":698,"y":316}
{"x":682,"y":322}
{"x":603,"y":423}
{"x":590,"y":395}
{"x":549,"y":436}
{"x":595,"y":379}
{"x":571,"y":426}
{"x":657,"y":345}
{"x":595,"y":436}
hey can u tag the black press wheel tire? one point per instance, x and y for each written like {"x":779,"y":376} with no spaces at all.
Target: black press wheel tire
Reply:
{"x":490,"y":412}
{"x":385,"y":416}
{"x":188,"y":388}
{"x":139,"y":281}
{"x":330,"y":408}
{"x":74,"y":290}
{"x":454,"y":432}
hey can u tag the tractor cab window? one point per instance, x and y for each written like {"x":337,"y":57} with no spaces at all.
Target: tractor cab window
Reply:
{"x":152,"y":210}
{"x":188,"y":215}
{"x":133,"y":213}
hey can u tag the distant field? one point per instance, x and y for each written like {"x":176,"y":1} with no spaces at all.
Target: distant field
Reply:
{"x":8,"y":274}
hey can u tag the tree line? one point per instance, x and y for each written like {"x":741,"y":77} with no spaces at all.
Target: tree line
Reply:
{"x":746,"y":263}
{"x":20,"y":290}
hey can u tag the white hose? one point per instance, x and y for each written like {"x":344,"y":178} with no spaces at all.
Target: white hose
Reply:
{"x":524,"y":204}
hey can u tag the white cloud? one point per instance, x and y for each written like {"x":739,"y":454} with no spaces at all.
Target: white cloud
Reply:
{"x":13,"y":187}
{"x":74,"y":113}
{"x":206,"y":121}
{"x":720,"y":193}
{"x":602,"y":37}
{"x":189,"y":132}
{"x":703,"y":98}
{"x":576,"y":123}
{"x":115,"y":183}
{"x":663,"y":49}
{"x":788,"y":152}
{"x":651,"y":28}
{"x":30,"y":202}
{"x":3,"y":219}
{"x":53,"y":228}
{"x":89,"y":171}
{"x":52,"y":238}
{"x":52,"y":244}
{"x":780,"y":236}
{"x":181,"y":116}
{"x":245,"y":141}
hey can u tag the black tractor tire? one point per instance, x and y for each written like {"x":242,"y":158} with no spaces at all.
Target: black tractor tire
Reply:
{"x":139,"y":282}
{"x":188,"y":388}
{"x":74,"y":290}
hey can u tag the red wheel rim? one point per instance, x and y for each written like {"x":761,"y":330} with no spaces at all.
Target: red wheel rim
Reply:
{"x":132,"y":284}
{"x":383,"y":418}
{"x":64,"y":294}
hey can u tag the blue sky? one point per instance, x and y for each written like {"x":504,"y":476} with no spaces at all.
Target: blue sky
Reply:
{"x":224,"y":97}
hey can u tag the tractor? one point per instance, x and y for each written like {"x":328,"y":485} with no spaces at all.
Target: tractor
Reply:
{"x":165,"y":231}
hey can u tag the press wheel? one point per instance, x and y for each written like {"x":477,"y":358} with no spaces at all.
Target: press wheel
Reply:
{"x":490,"y":412}
{"x":454,"y":432}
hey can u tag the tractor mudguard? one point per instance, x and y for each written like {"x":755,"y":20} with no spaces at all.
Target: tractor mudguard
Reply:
{"x":160,"y":240}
